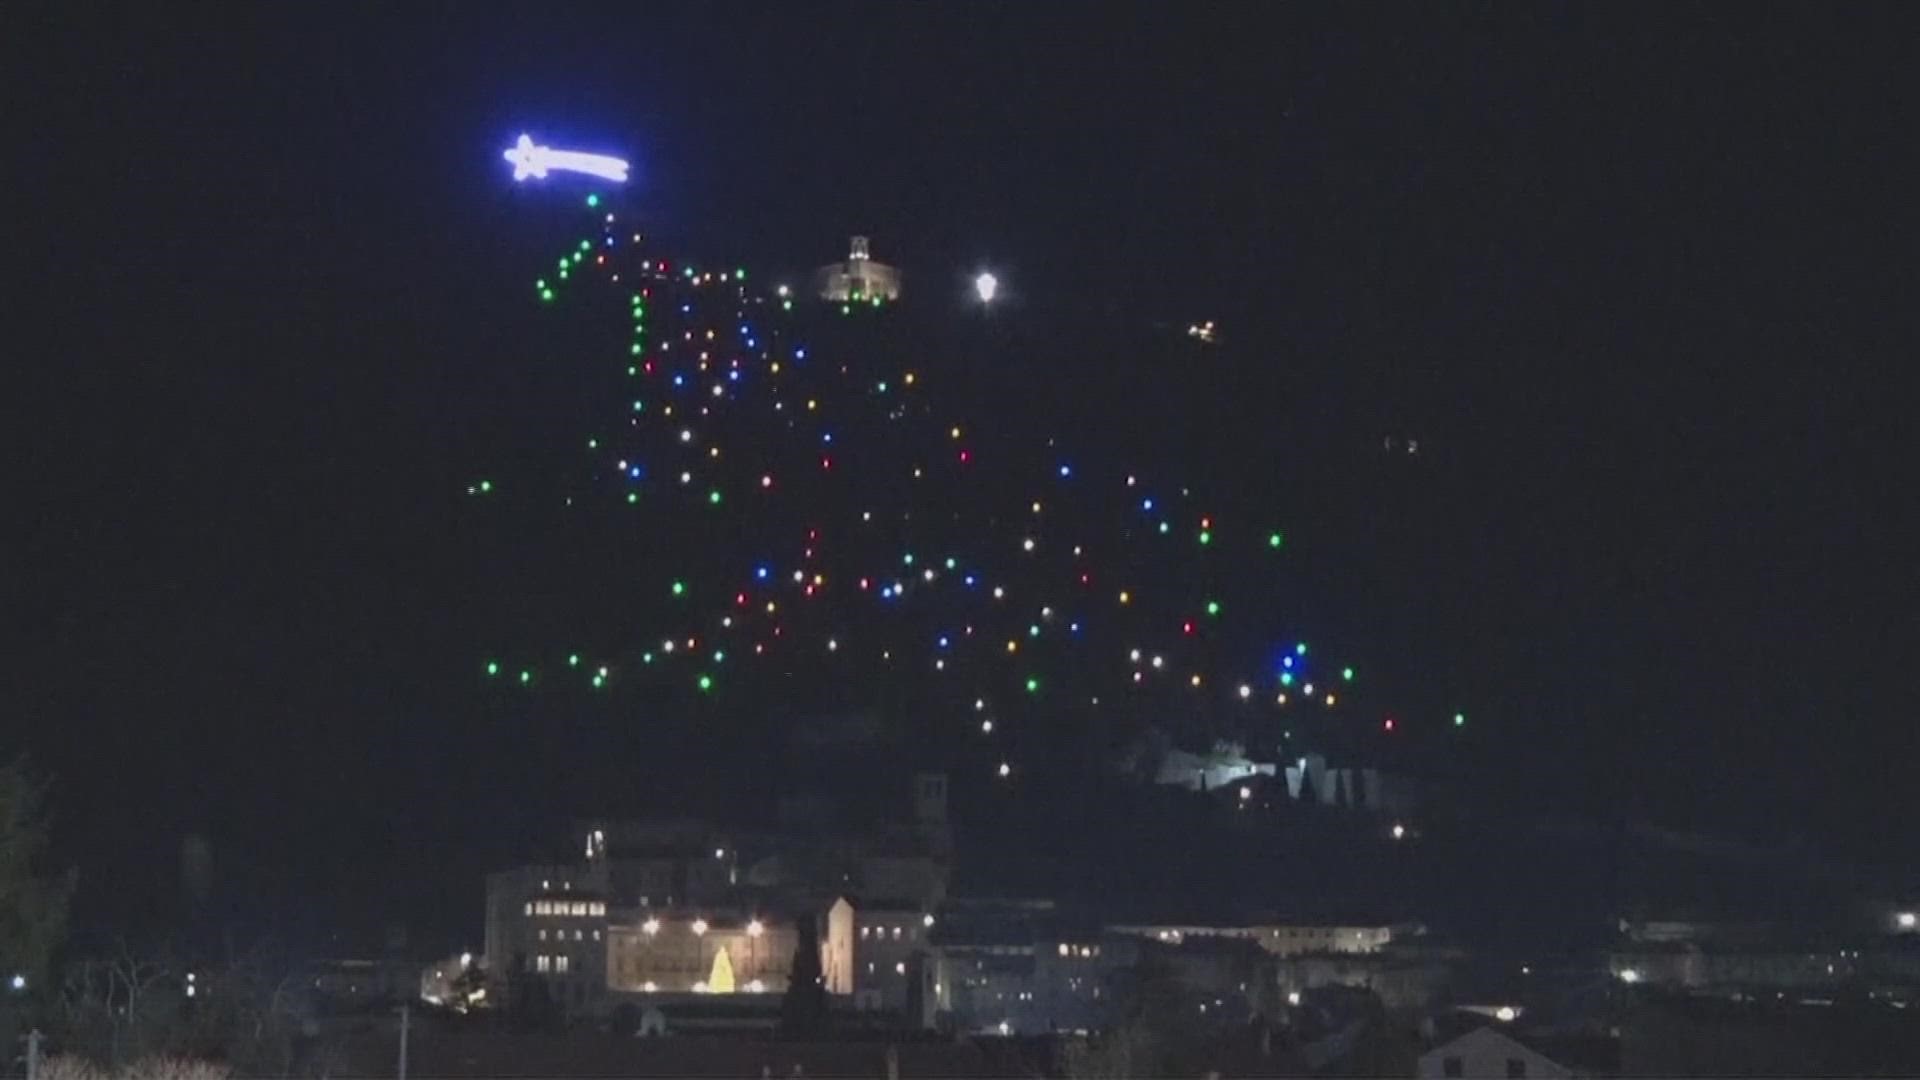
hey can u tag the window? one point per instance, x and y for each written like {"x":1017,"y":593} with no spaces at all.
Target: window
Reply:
{"x":580,"y":908}
{"x":560,"y":964}
{"x":579,"y":935}
{"x":596,"y":935}
{"x":529,"y":907}
{"x":543,"y":962}
{"x":1450,"y":1066}
{"x":543,"y":933}
{"x":1516,"y":1068}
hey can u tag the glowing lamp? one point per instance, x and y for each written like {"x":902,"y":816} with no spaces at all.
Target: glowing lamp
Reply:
{"x":530,"y":159}
{"x":986,"y":286}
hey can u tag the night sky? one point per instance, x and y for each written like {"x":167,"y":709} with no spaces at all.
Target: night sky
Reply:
{"x":1636,"y":278}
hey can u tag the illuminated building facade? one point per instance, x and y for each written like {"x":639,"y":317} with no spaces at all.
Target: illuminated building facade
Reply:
{"x":859,"y":279}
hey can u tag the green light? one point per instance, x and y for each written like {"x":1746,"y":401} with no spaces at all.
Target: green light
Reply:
{"x":546,"y":294}
{"x":632,"y":497}
{"x":845,"y":310}
{"x":907,"y":558}
{"x":584,"y":246}
{"x":493,"y":667}
{"x":632,"y":370}
{"x":639,"y":406}
{"x":883,"y":386}
{"x":486,"y":485}
{"x":593,"y":200}
{"x":1163,"y":528}
{"x":739,"y":275}
{"x":706,"y":683}
{"x":1300,"y":649}
{"x":541,"y":284}
{"x":713,"y":497}
{"x":636,"y":348}
{"x":719,"y":656}
{"x":1033,"y":630}
{"x":593,"y":444}
{"x":1346,"y":674}
{"x":679,"y":588}
{"x":951,"y":562}
{"x":786,"y":305}
{"x":1286,"y":678}
{"x":1033,"y":686}
{"x":646,"y":658}
{"x":573,"y":660}
{"x":1274,"y":541}
{"x":525,"y":677}
{"x":599,"y":681}
{"x":1205,"y":537}
{"x":1459,"y":719}
{"x":1213,"y":607}
{"x":876,"y":301}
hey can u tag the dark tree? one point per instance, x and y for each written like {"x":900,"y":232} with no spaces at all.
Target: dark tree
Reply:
{"x":803,"y":1011}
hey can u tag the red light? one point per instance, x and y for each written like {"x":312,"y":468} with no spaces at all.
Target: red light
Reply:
{"x":813,"y":534}
{"x":647,"y":367}
{"x":809,"y":590}
{"x":1387,"y":724}
{"x":1084,"y":579}
{"x":740,"y":599}
{"x":863,"y":584}
{"x":965,"y":457}
{"x":1206,"y":523}
{"x":1186,"y":627}
{"x":826,"y":463}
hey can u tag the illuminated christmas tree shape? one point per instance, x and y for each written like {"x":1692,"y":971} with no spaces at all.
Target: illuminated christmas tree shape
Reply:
{"x":817,"y":504}
{"x":720,"y":980}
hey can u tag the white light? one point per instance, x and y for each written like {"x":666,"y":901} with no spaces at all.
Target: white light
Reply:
{"x":1399,"y":831}
{"x":756,"y":987}
{"x":699,"y":926}
{"x":18,"y":982}
{"x":466,"y":961}
{"x":900,"y":968}
{"x":1245,"y":691}
{"x":783,"y":291}
{"x":719,"y":853}
{"x":1907,"y":920}
{"x":1629,"y":975}
{"x":1246,"y":793}
{"x":1505,"y":1014}
{"x":755,"y":929}
{"x":529,"y":158}
{"x":1293,"y":997}
{"x":986,"y":727}
{"x":1005,"y":769}
{"x":651,"y":926}
{"x":190,"y":990}
{"x":926,"y":920}
{"x":985,"y":286}
{"x":650,"y":986}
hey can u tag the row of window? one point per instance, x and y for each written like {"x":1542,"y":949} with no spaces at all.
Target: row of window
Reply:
{"x":879,"y":933}
{"x":557,"y":965}
{"x":1083,"y":952}
{"x":576,"y":908}
{"x":561,"y":935}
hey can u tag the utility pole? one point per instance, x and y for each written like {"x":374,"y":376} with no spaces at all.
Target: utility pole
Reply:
{"x":33,"y":1054}
{"x":406,"y":1016}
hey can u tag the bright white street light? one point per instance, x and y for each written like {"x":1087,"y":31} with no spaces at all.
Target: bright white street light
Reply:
{"x":985,"y":286}
{"x":699,"y":926}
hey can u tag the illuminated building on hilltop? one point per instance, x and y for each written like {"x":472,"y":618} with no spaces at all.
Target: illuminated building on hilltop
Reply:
{"x":859,"y":278}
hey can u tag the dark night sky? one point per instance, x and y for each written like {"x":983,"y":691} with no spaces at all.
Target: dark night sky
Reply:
{"x":1637,"y":276}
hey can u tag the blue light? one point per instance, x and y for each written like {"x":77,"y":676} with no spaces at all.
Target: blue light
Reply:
{"x":762,"y":573}
{"x":799,"y":354}
{"x":826,"y":437}
{"x":969,"y":581}
{"x":1287,"y":662}
{"x":943,"y":641}
{"x":1073,"y":627}
{"x":1066,"y":470}
{"x":686,"y":309}
{"x":751,"y":343}
{"x":1146,"y":504}
{"x":634,"y":472}
{"x":733,"y":376}
{"x":679,"y":380}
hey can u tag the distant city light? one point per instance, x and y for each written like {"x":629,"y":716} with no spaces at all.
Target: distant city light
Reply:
{"x":985,"y":287}
{"x":1629,"y":975}
{"x":1505,"y":1014}
{"x":1907,"y":920}
{"x":1399,"y":831}
{"x":18,"y":982}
